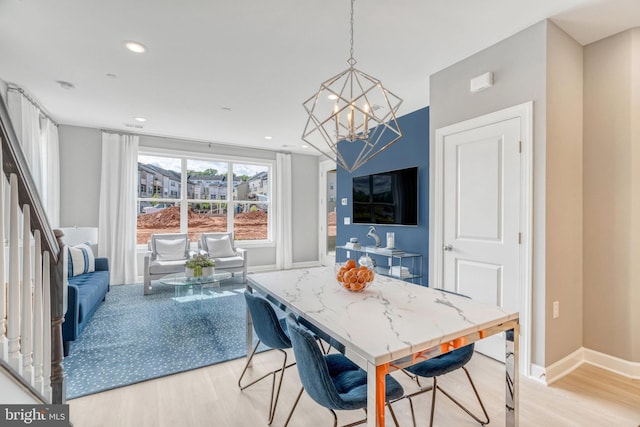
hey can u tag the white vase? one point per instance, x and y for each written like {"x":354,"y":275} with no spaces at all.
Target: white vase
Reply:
{"x":206,"y":271}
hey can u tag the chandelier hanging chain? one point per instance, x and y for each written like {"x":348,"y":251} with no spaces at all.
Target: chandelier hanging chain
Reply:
{"x":352,"y":117}
{"x":351,"y":61}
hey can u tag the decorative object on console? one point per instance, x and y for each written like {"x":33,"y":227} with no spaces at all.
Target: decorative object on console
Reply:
{"x":353,"y":107}
{"x":391,"y":240}
{"x":199,"y":265}
{"x":372,"y":233}
{"x":366,"y":261}
{"x":352,"y":243}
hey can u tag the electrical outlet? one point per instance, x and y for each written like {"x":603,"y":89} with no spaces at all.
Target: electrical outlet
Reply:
{"x":556,"y":309}
{"x":345,"y":201}
{"x":348,"y":254}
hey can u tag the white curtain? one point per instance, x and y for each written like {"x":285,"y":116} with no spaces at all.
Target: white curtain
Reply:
{"x":284,"y":242}
{"x":117,"y":216}
{"x":38,"y":137}
{"x":51,"y":171}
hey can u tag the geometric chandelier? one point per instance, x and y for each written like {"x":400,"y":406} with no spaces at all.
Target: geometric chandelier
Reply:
{"x":352,"y":117}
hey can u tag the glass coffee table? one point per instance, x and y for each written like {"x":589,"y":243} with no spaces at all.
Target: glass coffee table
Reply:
{"x":188,"y":289}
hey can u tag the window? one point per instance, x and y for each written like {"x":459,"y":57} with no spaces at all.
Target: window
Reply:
{"x":217,"y":195}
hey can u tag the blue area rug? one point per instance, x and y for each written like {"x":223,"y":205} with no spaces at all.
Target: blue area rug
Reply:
{"x":133,"y":337}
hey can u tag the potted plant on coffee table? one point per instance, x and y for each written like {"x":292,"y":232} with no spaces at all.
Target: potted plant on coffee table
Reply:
{"x":199,"y":265}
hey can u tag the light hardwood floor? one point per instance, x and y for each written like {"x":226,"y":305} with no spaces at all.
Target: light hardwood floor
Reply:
{"x":587,"y":397}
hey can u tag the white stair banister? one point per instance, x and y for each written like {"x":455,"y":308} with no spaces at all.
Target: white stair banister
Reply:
{"x":13,"y":320}
{"x":26,"y":321}
{"x":38,"y":340}
{"x":46,"y":283}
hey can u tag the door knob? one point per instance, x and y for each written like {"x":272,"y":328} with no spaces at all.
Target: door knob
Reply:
{"x":447,"y":247}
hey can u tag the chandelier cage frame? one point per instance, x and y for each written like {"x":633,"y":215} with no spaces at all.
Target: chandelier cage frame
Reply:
{"x":353,"y":108}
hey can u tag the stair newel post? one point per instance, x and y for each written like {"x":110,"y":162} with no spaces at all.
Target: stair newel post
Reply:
{"x":13,"y":320}
{"x":58,"y":309}
{"x":38,"y":339}
{"x":26,"y":324}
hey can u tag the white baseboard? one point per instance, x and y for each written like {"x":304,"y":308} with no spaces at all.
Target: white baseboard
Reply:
{"x":614,"y":364}
{"x":566,"y":365}
{"x":538,"y":373}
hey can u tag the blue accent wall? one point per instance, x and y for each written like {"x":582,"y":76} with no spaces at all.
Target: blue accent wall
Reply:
{"x":411,"y":150}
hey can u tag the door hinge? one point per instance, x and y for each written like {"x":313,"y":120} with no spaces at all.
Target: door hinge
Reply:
{"x":519,"y":146}
{"x":519,"y":238}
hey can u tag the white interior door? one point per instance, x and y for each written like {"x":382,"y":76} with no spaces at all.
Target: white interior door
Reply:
{"x":481,"y":218}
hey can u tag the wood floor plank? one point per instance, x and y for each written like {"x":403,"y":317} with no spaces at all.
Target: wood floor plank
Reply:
{"x":588,"y":397}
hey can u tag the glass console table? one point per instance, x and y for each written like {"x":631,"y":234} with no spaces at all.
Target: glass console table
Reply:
{"x":389,"y":262}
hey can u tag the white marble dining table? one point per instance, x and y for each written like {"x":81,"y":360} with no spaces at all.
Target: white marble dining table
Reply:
{"x":390,"y":325}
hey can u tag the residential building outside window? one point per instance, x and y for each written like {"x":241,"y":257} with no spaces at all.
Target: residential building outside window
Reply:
{"x":192,"y":195}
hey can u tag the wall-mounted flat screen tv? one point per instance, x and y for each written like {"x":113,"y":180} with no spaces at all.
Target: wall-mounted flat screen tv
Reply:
{"x":386,"y":198}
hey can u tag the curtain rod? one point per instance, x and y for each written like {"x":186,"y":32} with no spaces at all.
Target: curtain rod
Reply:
{"x":32,"y":101}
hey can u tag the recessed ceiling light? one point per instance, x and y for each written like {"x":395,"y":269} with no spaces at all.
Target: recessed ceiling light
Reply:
{"x":135,"y":47}
{"x":225,"y":108}
{"x":139,"y":119}
{"x":65,"y":85}
{"x":268,"y":137}
{"x":111,"y":76}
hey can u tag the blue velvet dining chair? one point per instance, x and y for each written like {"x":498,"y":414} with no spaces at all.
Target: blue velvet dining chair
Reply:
{"x":441,"y":365}
{"x":271,"y":331}
{"x":333,"y":381}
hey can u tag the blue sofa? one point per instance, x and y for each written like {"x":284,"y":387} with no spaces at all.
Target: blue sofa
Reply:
{"x":84,"y":294}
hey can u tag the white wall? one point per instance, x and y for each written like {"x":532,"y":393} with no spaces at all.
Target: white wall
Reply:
{"x":80,"y":154}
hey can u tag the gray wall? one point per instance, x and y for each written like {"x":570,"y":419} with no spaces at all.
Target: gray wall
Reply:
{"x":519,"y":67}
{"x":544,"y":65}
{"x":612,"y":195}
{"x":80,"y":154}
{"x":563,"y":225}
{"x":80,"y":166}
{"x":305,"y":215}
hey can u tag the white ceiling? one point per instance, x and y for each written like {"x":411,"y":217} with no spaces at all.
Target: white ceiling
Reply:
{"x":259,"y":58}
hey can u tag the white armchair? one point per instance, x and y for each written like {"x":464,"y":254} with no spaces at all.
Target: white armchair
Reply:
{"x":221,"y":248}
{"x":168,"y":253}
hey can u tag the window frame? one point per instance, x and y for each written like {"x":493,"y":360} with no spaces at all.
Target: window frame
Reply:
{"x":184,"y":199}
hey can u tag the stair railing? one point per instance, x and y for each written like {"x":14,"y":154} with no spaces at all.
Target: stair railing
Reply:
{"x":32,"y":295}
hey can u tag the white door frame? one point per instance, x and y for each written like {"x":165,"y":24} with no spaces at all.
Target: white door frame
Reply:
{"x":324,"y":167}
{"x":525,"y":113}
